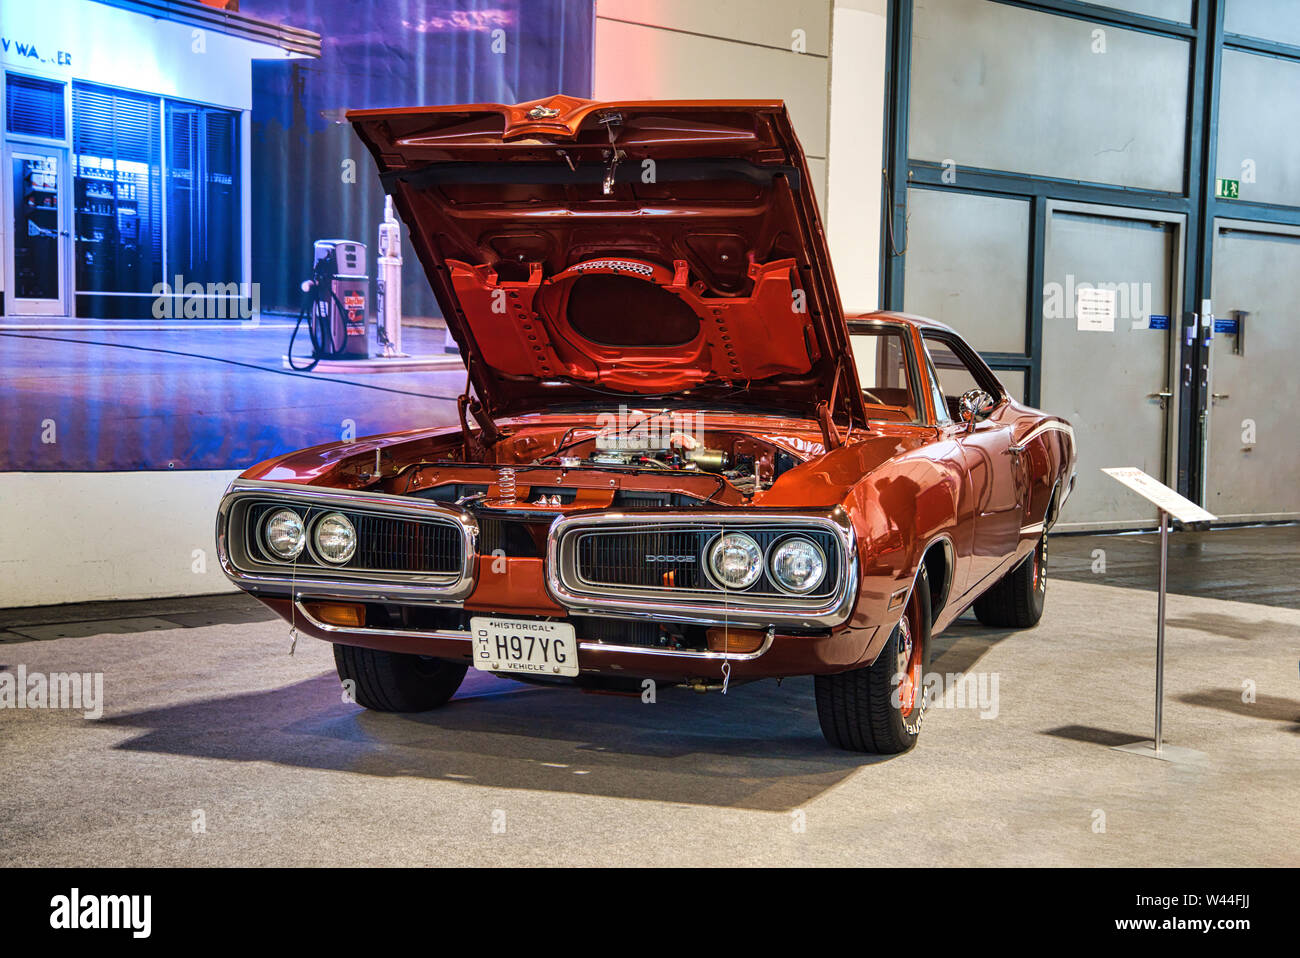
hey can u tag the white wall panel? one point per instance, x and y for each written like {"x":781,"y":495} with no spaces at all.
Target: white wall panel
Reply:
{"x":88,"y":536}
{"x":852,"y":210}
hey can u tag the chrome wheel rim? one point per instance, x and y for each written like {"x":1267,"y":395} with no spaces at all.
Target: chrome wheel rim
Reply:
{"x":908,"y":668}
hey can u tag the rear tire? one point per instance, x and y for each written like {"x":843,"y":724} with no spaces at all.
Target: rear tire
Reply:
{"x":1016,"y":600}
{"x":396,"y":681}
{"x":879,"y":708}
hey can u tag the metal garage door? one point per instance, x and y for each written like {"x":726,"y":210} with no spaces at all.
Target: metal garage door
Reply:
{"x":1107,"y":373}
{"x":1253,"y":462}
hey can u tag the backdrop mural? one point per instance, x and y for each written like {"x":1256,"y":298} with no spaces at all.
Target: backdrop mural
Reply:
{"x":196,"y":376}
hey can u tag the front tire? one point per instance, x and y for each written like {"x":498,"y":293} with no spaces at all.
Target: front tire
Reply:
{"x":1016,"y":600}
{"x":396,"y":681}
{"x":879,"y":708}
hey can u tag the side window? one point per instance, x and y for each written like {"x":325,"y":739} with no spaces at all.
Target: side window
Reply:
{"x":881,"y":356}
{"x":953,"y":376}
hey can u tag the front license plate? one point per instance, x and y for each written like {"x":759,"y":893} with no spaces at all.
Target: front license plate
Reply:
{"x":524,"y":645}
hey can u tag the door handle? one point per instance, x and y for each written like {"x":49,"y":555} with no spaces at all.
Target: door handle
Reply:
{"x":1164,"y":396}
{"x":1219,"y":396}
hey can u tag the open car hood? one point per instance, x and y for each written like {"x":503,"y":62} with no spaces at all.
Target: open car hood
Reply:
{"x":622,"y":250}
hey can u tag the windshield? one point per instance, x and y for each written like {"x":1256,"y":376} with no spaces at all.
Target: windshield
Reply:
{"x":881,"y":355}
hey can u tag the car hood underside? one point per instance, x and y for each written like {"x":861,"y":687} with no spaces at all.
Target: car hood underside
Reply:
{"x":631,"y":249}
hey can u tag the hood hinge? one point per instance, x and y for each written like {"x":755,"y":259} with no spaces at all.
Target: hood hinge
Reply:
{"x":830,"y":432}
{"x":488,"y":431}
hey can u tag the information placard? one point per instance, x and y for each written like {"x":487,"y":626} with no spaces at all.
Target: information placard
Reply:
{"x":1182,"y":509}
{"x":1094,"y":309}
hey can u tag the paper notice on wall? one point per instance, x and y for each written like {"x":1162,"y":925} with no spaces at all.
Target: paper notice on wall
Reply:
{"x":1094,"y":309}
{"x":1184,"y":510}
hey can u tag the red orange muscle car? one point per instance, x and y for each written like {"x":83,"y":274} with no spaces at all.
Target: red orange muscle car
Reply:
{"x":677,"y":460}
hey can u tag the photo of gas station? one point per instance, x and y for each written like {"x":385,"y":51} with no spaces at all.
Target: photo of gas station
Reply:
{"x":152,"y":285}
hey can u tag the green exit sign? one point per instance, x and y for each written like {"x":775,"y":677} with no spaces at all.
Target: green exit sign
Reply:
{"x":1227,"y":189}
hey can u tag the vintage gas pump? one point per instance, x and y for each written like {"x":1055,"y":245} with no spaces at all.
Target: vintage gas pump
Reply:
{"x":334,"y":304}
{"x":349,"y":286}
{"x":388,"y":314}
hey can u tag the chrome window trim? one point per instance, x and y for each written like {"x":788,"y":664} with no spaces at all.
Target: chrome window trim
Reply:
{"x":284,"y":578}
{"x":738,"y":609}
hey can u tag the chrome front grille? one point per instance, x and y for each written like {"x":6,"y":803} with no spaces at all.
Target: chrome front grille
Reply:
{"x":597,"y":565}
{"x":385,"y":543}
{"x":405,"y":546}
{"x":673,"y":558}
{"x":654,"y":558}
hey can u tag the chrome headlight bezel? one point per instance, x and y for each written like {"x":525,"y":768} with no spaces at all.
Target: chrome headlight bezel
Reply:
{"x":319,"y":550}
{"x":269,"y":543}
{"x":711,"y":552}
{"x":773,"y":554}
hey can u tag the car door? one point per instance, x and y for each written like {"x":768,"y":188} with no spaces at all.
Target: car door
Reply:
{"x":996,"y":484}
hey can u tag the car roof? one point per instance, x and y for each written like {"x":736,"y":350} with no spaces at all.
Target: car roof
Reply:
{"x":911,"y":319}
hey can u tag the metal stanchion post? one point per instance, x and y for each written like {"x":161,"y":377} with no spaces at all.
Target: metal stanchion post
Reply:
{"x":1160,"y":624}
{"x":1170,"y":504}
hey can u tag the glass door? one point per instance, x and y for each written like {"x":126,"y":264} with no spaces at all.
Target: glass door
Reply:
{"x":38,"y":224}
{"x":203,"y":234}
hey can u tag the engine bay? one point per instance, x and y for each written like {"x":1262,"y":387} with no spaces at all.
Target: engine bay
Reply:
{"x":748,"y":464}
{"x":588,"y":466}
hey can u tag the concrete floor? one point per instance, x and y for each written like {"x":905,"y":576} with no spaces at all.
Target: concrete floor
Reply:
{"x":1246,"y":564}
{"x":207,"y":711}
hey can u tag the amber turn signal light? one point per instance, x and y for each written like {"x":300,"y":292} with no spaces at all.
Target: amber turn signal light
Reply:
{"x":351,"y":614}
{"x":734,"y":640}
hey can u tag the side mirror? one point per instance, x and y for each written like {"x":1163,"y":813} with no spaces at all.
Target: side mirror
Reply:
{"x":974,"y":405}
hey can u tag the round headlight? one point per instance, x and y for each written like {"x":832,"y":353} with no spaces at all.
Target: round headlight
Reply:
{"x":336,"y":539}
{"x":798,"y":565}
{"x":284,"y":534}
{"x":735,"y":561}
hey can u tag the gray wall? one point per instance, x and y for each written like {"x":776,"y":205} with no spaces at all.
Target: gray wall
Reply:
{"x":1015,"y":108}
